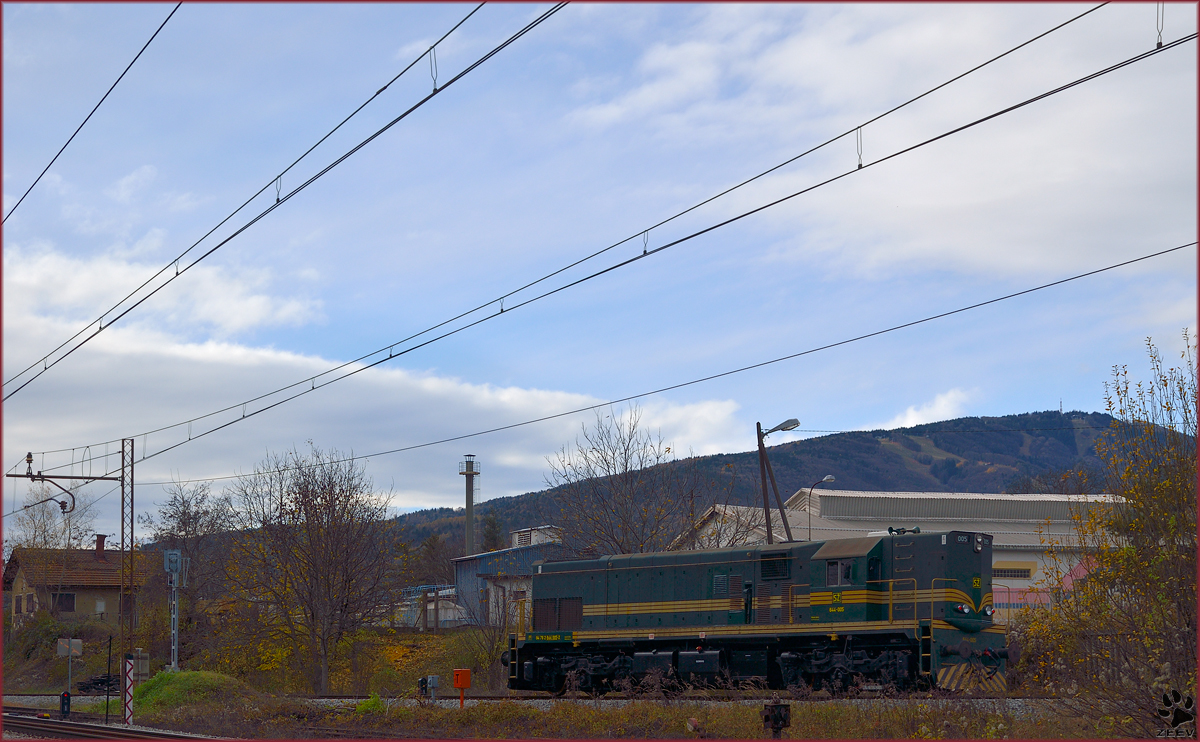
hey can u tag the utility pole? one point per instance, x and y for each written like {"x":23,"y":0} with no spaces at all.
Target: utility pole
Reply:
{"x":764,"y":469}
{"x":125,"y":601}
{"x":125,"y":621}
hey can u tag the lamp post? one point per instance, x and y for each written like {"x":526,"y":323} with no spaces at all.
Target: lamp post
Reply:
{"x":808,"y":505}
{"x":764,"y":469}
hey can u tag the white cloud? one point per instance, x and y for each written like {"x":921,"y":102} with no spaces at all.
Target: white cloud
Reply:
{"x":945,"y":406}
{"x":124,"y":189}
{"x":1014,"y":197}
{"x":42,"y":283}
{"x":378,"y":410}
{"x":181,"y":202}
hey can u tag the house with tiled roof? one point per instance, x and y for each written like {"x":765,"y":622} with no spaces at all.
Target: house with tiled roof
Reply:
{"x":72,"y":583}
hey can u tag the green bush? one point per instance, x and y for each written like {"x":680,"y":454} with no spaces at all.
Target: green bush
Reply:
{"x":373,"y":705}
{"x":170,"y":690}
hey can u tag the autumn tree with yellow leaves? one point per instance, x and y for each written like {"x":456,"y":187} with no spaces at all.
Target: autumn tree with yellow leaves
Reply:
{"x":312,"y":557}
{"x":1120,"y":631}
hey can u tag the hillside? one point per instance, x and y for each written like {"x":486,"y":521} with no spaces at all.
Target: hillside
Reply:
{"x":969,"y":454}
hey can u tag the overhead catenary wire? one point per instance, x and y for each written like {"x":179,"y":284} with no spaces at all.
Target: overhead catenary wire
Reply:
{"x":99,"y":324}
{"x":741,"y":369}
{"x":644,"y":233}
{"x":90,"y":114}
{"x":313,"y":387}
{"x":311,"y":381}
{"x":431,"y":52}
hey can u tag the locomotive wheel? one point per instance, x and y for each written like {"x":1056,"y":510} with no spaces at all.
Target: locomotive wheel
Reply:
{"x":837,"y":681}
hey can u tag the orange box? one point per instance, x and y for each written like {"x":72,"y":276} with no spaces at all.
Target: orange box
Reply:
{"x":462,"y":678}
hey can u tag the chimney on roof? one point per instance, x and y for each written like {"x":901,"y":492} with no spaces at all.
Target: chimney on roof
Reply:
{"x":100,"y":546}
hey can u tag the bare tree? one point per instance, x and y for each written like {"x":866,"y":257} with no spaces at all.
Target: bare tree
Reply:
{"x":491,"y":619}
{"x":313,"y":550}
{"x":620,"y":490}
{"x":723,"y":526}
{"x":193,"y":521}
{"x":46,"y":526}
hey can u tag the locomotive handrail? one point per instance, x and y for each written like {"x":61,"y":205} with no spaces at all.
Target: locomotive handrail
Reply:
{"x":933,"y":596}
{"x":890,"y":584}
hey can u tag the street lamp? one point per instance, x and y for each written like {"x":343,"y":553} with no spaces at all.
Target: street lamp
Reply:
{"x":764,"y":469}
{"x":808,"y":506}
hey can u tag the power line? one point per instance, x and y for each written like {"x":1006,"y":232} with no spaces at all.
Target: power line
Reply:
{"x":311,"y":381}
{"x":743,"y":369}
{"x":89,"y":116}
{"x":570,"y":265}
{"x":98,"y":323}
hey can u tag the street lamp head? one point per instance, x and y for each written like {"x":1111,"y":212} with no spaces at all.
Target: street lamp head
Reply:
{"x":790,"y":424}
{"x":828,"y":478}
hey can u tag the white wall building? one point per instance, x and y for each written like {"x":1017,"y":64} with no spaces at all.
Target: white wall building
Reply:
{"x":1023,"y":526}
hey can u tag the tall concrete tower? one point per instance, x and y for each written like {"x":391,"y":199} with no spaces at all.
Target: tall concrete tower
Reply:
{"x":469,"y":468}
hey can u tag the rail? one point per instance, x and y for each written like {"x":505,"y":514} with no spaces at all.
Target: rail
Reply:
{"x":43,"y":728}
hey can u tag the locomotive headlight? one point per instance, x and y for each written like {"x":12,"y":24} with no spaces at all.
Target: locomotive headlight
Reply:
{"x":978,"y":542}
{"x":962,"y":608}
{"x":988,"y":610}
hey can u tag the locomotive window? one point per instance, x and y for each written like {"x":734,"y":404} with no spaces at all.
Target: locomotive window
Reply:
{"x":1012,"y":574}
{"x":775,"y":566}
{"x":839,"y":572}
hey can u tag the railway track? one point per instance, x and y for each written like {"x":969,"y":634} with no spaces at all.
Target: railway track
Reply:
{"x":56,"y":729}
{"x":49,"y":713}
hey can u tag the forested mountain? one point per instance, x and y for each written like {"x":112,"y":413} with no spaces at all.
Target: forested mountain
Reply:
{"x":969,"y":454}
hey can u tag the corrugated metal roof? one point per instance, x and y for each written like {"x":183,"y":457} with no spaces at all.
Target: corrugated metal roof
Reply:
{"x":950,"y":506}
{"x":1007,"y":535}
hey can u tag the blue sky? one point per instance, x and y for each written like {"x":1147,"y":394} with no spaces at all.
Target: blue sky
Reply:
{"x":596,"y":125}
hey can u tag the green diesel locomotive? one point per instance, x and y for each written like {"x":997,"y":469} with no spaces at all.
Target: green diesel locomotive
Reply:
{"x":904,"y":608}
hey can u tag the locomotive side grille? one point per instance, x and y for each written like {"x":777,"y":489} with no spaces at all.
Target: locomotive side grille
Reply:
{"x":735,"y":594}
{"x":557,"y":614}
{"x":545,"y":614}
{"x":762,"y":604}
{"x":720,"y":586}
{"x":570,"y":614}
{"x":775,"y":566}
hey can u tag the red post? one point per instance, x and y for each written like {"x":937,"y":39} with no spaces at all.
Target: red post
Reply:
{"x":462,"y":681}
{"x":128,"y":691}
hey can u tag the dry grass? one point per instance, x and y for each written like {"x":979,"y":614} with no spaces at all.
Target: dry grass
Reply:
{"x":909,"y":719}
